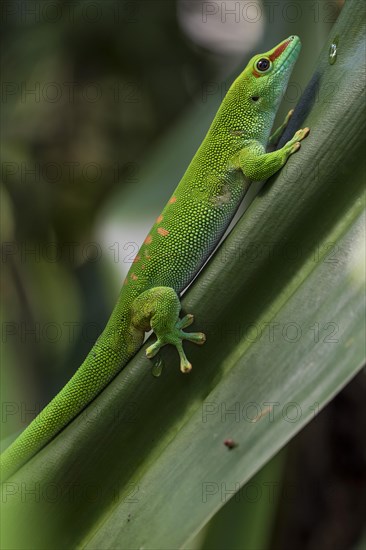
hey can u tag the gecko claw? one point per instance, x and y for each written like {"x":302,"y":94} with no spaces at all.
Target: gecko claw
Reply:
{"x":153,"y":349}
{"x":185,"y":365}
{"x":185,"y":321}
{"x":195,"y":337}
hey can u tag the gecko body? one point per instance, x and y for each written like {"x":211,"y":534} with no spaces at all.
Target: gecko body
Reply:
{"x":232,"y":155}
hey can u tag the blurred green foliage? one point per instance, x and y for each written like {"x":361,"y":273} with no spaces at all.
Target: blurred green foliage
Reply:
{"x":83,"y":102}
{"x":80,"y":93}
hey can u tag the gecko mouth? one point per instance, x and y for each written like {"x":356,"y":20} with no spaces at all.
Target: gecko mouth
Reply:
{"x":288,"y":50}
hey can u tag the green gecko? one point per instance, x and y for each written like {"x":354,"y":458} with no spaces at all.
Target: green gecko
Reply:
{"x":232,"y":155}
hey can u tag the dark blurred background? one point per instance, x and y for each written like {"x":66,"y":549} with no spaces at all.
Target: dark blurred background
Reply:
{"x":103,"y":106}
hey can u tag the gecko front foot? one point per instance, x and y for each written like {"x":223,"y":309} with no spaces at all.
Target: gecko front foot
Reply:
{"x":294,"y":144}
{"x":276,"y":136}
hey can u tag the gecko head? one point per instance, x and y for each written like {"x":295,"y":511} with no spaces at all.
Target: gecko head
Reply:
{"x":257,"y":92}
{"x":264,"y":80}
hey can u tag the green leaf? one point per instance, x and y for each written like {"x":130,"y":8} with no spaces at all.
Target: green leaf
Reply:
{"x":247,"y":520}
{"x":282,"y":304}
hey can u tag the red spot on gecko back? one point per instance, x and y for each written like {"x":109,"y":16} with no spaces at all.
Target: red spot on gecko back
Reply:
{"x":159,"y":219}
{"x":172,"y":200}
{"x":162,"y":231}
{"x":134,"y":277}
{"x":136,"y":259}
{"x":148,"y":239}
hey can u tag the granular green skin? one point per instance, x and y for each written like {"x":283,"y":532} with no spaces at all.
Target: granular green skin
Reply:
{"x":232,"y":155}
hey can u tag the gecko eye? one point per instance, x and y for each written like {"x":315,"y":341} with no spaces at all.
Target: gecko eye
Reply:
{"x":263,"y":64}
{"x":254,"y":98}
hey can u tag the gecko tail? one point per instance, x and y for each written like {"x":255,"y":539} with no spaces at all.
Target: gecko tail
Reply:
{"x":97,"y":370}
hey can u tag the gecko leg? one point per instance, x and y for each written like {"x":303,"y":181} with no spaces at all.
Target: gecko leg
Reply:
{"x":276,"y":136}
{"x":158,"y":308}
{"x":258,"y":165}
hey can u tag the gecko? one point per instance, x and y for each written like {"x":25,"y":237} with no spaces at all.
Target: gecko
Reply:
{"x":232,"y":155}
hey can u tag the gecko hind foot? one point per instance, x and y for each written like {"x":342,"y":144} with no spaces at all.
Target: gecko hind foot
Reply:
{"x":176,"y":337}
{"x":158,"y":308}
